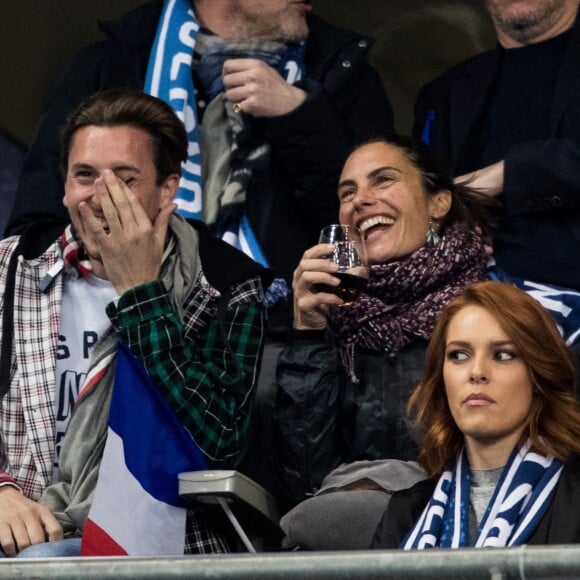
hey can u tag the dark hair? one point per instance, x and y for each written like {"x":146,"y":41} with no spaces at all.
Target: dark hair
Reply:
{"x":554,"y":418}
{"x":133,"y":108}
{"x":468,"y":205}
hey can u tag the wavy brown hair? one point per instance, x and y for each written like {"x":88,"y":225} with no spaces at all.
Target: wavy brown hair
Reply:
{"x":553,"y":424}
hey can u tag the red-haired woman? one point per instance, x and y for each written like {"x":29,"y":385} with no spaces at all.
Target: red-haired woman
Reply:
{"x":501,"y":431}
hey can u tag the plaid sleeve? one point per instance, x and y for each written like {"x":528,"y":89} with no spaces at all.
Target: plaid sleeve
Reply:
{"x":208,"y":385}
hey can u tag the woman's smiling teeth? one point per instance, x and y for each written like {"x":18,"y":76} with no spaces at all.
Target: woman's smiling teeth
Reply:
{"x":378,"y":220}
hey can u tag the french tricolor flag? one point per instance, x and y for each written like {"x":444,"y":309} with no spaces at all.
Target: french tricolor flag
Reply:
{"x":136,"y":510}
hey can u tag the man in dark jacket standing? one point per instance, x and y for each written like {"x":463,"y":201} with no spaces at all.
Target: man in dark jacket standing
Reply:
{"x":273,"y":100}
{"x":509,"y":119}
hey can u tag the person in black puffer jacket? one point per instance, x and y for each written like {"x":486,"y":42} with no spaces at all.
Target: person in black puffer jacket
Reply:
{"x":347,"y":372}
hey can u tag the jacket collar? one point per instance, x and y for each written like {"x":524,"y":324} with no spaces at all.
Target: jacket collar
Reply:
{"x":469,"y":95}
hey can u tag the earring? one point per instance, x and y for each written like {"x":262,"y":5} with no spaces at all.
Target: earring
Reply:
{"x":433,"y":238}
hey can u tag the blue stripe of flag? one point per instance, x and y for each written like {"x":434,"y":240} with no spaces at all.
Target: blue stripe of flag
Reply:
{"x":157,"y":446}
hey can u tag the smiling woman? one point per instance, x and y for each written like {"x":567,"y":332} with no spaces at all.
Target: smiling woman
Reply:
{"x":347,"y":371}
{"x":502,"y":430}
{"x":381,"y":192}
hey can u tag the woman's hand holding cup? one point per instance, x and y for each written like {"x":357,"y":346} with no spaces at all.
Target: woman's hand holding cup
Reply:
{"x":311,"y":305}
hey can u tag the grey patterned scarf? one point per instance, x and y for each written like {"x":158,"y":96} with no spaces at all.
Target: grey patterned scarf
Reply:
{"x":232,"y":149}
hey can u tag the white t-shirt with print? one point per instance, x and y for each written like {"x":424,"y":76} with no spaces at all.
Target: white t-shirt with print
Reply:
{"x":83,"y":322}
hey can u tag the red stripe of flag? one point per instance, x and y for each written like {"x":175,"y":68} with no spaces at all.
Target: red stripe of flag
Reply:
{"x":96,"y":542}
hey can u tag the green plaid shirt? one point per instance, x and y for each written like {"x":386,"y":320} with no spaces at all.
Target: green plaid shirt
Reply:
{"x":208,"y":385}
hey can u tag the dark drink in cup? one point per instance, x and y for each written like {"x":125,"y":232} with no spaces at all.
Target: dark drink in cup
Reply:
{"x":349,"y":289}
{"x":349,"y":255}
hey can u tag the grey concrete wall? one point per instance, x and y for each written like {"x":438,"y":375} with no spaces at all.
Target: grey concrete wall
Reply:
{"x":416,"y":39}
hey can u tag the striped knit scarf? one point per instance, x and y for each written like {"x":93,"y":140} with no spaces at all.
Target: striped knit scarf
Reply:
{"x":403,"y":299}
{"x":76,"y":261}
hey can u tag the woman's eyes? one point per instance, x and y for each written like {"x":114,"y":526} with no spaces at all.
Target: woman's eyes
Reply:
{"x":498,"y":355}
{"x":504,"y":355}
{"x":346,"y":194}
{"x":382,"y":180}
{"x":457,"y":355}
{"x":376,"y":182}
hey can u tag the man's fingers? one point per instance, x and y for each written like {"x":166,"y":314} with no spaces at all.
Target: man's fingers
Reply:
{"x":236,"y":65}
{"x":52,"y":529}
{"x":24,"y":522}
{"x":115,"y":205}
{"x":35,"y":533}
{"x":7,"y":542}
{"x":38,"y":526}
{"x":233,"y":80}
{"x":21,"y":535}
{"x":90,"y":223}
{"x":108,"y":208}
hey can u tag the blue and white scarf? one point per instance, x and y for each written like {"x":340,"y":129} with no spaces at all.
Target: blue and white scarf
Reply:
{"x":169,"y":77}
{"x":520,"y":499}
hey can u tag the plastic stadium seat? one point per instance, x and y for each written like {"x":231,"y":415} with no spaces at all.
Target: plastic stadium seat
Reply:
{"x":251,"y":510}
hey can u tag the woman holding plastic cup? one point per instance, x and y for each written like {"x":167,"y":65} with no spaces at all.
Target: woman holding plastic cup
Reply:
{"x":348,"y":369}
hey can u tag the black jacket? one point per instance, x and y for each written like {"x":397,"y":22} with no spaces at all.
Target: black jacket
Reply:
{"x":560,"y":524}
{"x":287,"y":203}
{"x":323,"y":419}
{"x":540,"y":237}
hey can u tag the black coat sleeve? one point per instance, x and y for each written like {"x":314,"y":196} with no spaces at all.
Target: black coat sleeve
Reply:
{"x":307,"y":411}
{"x":404,"y":509}
{"x":315,"y":139}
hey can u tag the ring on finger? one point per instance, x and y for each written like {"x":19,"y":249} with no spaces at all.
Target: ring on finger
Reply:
{"x":238,"y":108}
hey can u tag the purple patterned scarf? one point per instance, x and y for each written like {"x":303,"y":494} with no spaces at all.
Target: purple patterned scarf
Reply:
{"x":403,"y":299}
